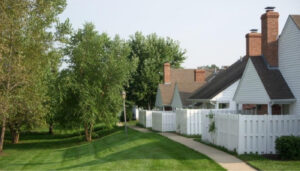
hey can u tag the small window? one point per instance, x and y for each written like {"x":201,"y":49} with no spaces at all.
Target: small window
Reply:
{"x":223,"y":105}
{"x":285,"y":109}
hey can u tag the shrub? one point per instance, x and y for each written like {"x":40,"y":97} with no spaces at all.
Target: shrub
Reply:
{"x":288,"y":147}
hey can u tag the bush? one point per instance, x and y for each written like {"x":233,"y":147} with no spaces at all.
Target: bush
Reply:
{"x":129,"y":114}
{"x":288,"y":147}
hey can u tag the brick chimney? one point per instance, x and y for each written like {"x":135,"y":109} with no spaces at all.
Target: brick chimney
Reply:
{"x":253,"y":43}
{"x":199,"y":75}
{"x":167,"y":73}
{"x":269,"y":30}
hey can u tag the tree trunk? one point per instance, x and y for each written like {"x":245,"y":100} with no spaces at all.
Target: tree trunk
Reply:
{"x":2,"y":133}
{"x":88,"y":133}
{"x":51,"y":129}
{"x":16,"y":136}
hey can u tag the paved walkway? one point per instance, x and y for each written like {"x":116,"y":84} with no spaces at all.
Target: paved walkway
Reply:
{"x":227,"y":161}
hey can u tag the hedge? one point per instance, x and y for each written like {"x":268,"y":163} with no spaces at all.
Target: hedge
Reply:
{"x":288,"y":147}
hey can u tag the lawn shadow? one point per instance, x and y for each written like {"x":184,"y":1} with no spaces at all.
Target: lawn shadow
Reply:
{"x":153,"y":151}
{"x":60,"y":141}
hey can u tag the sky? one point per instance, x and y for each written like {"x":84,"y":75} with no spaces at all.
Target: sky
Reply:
{"x":211,"y":31}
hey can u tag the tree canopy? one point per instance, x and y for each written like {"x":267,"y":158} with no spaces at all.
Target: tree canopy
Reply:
{"x":25,"y":43}
{"x":99,"y":69}
{"x":152,"y":52}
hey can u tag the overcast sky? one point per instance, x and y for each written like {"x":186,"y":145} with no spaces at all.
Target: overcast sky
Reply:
{"x":211,"y":31}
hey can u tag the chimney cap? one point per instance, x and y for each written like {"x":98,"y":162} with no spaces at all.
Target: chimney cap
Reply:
{"x":269,"y":8}
{"x":253,"y":30}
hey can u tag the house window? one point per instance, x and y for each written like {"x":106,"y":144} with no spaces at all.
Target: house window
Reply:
{"x":285,"y":109}
{"x":223,"y":105}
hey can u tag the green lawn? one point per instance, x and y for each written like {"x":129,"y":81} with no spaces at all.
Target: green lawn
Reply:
{"x":259,"y":162}
{"x":263,"y":163}
{"x":115,"y":151}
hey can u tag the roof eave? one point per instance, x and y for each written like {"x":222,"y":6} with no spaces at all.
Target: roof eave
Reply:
{"x":283,"y":101}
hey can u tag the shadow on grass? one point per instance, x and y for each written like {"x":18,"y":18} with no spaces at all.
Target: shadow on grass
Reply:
{"x":151,"y":151}
{"x":135,"y":146}
{"x":55,"y":141}
{"x":34,"y":135}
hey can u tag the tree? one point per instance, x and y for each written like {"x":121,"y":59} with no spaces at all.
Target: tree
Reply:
{"x":25,"y":41}
{"x":152,"y":52}
{"x":99,"y":69}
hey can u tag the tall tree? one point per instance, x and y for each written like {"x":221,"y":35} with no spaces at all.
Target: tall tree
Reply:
{"x":25,"y":40}
{"x":99,"y":68}
{"x":152,"y":52}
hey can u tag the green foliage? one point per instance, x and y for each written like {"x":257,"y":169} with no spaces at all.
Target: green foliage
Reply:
{"x":212,"y":123}
{"x":26,"y":46}
{"x":152,"y":52}
{"x":212,"y":66}
{"x":99,"y":69}
{"x":288,"y":147}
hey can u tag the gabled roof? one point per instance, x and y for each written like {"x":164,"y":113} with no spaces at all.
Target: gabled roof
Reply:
{"x":272,"y":79}
{"x":221,"y":81}
{"x":185,"y":80}
{"x":186,"y":90}
{"x":186,"y":75}
{"x":166,"y":91}
{"x":296,"y":19}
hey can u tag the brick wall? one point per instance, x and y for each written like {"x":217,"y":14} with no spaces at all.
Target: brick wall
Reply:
{"x":269,"y":29}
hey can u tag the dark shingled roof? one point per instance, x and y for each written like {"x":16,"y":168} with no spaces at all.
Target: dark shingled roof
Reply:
{"x":221,"y":81}
{"x":296,"y":19}
{"x":272,"y":80}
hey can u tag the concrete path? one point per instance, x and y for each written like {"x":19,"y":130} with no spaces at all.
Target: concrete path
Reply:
{"x":227,"y":161}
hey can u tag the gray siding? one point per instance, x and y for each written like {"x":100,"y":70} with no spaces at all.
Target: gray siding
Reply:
{"x":158,"y":99}
{"x":289,"y":60}
{"x":250,"y":89}
{"x":176,"y":101}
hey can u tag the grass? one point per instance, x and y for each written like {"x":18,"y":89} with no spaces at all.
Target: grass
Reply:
{"x":260,"y":162}
{"x":263,"y":163}
{"x":112,"y":151}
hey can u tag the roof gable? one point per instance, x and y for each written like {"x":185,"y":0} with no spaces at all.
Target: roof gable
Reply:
{"x":176,"y":100}
{"x":158,"y":101}
{"x":166,"y":91}
{"x":250,"y":88}
{"x":227,"y":94}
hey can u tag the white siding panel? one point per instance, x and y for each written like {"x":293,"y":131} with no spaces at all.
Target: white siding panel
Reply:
{"x":158,"y":99}
{"x":176,"y":101}
{"x":227,"y":95}
{"x":289,"y":60}
{"x":251,"y":89}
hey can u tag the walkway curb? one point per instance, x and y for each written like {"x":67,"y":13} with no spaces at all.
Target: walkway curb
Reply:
{"x":227,"y":161}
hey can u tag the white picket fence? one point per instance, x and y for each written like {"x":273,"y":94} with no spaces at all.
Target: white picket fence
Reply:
{"x":145,"y":118}
{"x":189,"y":121}
{"x":249,"y":133}
{"x":163,"y":121}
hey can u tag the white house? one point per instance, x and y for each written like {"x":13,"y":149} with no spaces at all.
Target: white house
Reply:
{"x":289,"y":57}
{"x":263,"y":85}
